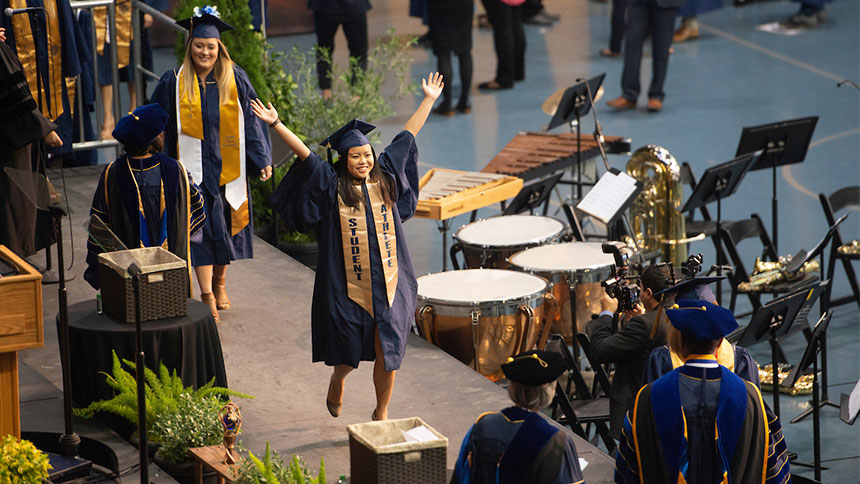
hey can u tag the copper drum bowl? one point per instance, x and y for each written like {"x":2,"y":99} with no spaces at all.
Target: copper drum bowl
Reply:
{"x":580,"y":266}
{"x":488,"y":243}
{"x":483,"y":316}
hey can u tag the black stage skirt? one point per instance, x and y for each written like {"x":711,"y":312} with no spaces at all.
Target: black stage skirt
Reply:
{"x":451,"y":25}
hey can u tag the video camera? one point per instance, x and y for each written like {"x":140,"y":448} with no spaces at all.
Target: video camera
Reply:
{"x":622,"y":287}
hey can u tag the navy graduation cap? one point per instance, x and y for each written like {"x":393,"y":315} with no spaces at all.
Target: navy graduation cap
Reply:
{"x":534,"y":367}
{"x":205,"y":23}
{"x":701,"y":319}
{"x":350,"y":135}
{"x":142,"y":126}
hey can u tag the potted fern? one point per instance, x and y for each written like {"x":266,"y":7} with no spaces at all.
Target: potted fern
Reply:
{"x":271,"y":469}
{"x":164,"y":391}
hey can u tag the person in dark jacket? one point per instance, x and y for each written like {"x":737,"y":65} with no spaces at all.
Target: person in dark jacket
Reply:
{"x":328,"y":16}
{"x":630,"y":346}
{"x":451,"y":31}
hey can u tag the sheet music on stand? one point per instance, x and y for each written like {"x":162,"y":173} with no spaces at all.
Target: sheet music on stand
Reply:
{"x":610,"y":196}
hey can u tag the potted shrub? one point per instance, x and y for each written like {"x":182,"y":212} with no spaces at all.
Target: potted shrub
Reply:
{"x":163,"y":392}
{"x":193,"y":422}
{"x":271,"y":469}
{"x":21,"y":461}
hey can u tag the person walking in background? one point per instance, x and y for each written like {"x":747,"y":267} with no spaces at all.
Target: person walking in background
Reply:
{"x":689,"y":12}
{"x":534,"y":13}
{"x":616,"y":29}
{"x":658,"y":18}
{"x":509,"y":40}
{"x":810,"y":15}
{"x":328,"y":16}
{"x":214,"y":133}
{"x":451,"y":31}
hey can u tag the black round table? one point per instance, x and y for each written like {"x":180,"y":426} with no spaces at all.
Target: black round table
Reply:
{"x":189,"y":344}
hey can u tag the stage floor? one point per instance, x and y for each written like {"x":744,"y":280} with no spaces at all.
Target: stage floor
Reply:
{"x":733,"y":76}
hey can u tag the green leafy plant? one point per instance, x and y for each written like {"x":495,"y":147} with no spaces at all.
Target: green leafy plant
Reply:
{"x":193,"y":422}
{"x":163,"y":392}
{"x":21,"y":461}
{"x":271,"y":469}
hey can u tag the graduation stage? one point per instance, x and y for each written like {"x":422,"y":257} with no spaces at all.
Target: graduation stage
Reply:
{"x":266,"y":341}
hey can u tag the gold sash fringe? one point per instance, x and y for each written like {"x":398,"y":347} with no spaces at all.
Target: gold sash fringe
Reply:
{"x":25,"y":44}
{"x":356,"y":247}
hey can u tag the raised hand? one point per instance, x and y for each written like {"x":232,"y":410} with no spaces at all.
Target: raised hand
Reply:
{"x":268,"y":115}
{"x":432,"y":86}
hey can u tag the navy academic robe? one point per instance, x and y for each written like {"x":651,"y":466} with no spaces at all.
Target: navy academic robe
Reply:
{"x":218,"y":246}
{"x":342,"y":331}
{"x":116,"y":203}
{"x":71,"y":65}
{"x":516,"y":446}
{"x":701,"y":424}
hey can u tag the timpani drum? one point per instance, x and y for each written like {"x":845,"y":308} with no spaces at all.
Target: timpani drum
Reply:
{"x":488,"y":243}
{"x":483,"y":316}
{"x":580,"y":266}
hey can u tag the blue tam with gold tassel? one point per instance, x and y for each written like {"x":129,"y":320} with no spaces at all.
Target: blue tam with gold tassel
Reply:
{"x":701,"y":319}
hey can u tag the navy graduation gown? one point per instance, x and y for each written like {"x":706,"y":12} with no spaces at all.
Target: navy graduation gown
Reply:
{"x":516,"y":446}
{"x":115,"y":202}
{"x":660,"y":362}
{"x":218,"y":246}
{"x":342,"y":331}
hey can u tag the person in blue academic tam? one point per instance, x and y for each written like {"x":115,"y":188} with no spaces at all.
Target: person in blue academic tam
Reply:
{"x":365,"y":288}
{"x":700,"y":423}
{"x":213,"y":132}
{"x":144,"y":198}
{"x":519,"y":445}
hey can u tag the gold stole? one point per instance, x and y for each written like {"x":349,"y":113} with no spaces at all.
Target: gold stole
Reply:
{"x":725,"y":356}
{"x":25,"y":44}
{"x":123,"y":31}
{"x":356,"y":246}
{"x":231,"y":138}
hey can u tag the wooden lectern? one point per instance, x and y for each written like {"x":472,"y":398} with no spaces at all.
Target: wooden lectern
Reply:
{"x":20,"y":329}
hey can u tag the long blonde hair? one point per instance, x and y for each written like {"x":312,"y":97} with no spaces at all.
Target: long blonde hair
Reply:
{"x":223,"y":68}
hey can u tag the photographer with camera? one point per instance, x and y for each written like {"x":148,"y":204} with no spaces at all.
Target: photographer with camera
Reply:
{"x":629,"y":347}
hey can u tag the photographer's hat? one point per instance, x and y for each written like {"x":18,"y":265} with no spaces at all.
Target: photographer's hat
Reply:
{"x":350,"y":135}
{"x":701,"y":319}
{"x":534,"y":367}
{"x":141,"y":127}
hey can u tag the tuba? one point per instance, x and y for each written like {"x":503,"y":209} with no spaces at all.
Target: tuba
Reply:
{"x":655,"y":215}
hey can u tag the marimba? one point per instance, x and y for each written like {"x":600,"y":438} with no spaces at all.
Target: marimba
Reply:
{"x":534,"y":155}
{"x":444,"y":194}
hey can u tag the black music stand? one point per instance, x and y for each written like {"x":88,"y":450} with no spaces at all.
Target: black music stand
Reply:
{"x":533,"y":195}
{"x":717,"y":183}
{"x":782,"y":143}
{"x":574,"y":104}
{"x":771,"y":322}
{"x":810,"y":356}
{"x":846,"y":413}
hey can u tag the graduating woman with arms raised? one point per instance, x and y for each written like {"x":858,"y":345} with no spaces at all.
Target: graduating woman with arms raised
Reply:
{"x":365,"y":287}
{"x":213,"y":132}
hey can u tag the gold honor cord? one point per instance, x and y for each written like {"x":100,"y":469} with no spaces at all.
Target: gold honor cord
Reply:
{"x":25,"y":45}
{"x":356,"y":247}
{"x":123,"y":31}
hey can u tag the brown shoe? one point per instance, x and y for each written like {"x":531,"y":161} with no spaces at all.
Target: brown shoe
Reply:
{"x":609,"y":53}
{"x":219,"y":287}
{"x":685,"y":33}
{"x":209,"y":299}
{"x":620,"y":103}
{"x":655,"y":105}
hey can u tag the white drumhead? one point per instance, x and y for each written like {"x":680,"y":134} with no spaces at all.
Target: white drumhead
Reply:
{"x":509,"y":230}
{"x":479,"y":285}
{"x":563,"y":257}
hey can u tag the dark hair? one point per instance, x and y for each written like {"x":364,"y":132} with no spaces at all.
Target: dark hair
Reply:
{"x":344,"y":181}
{"x":695,"y":346}
{"x":154,"y":147}
{"x":656,"y":277}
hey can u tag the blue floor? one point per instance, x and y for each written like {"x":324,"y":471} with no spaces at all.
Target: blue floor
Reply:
{"x":733,"y":76}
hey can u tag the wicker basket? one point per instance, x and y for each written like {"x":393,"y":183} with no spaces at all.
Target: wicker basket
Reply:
{"x":379,"y":455}
{"x":163,"y":284}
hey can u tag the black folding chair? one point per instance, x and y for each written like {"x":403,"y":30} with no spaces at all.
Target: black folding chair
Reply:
{"x":731,"y":233}
{"x":838,"y":200}
{"x":587,"y":409}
